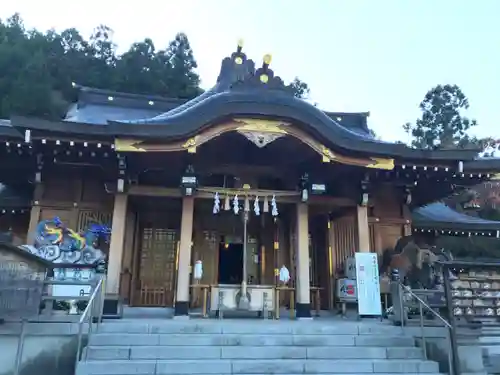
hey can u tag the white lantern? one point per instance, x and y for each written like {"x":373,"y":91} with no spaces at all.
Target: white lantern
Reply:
{"x":198,"y":270}
{"x":284,"y":275}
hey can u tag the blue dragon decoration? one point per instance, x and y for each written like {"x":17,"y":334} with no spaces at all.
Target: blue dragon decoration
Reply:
{"x":59,"y":244}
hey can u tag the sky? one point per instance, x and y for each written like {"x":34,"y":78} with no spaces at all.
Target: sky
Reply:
{"x":356,"y":55}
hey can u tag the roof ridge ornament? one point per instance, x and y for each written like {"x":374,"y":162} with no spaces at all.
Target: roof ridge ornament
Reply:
{"x":235,"y":68}
{"x":261,"y":78}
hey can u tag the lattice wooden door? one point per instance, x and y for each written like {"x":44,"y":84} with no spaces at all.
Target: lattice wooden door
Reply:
{"x":157,"y":267}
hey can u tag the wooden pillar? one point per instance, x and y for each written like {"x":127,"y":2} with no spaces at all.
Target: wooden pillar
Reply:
{"x":303,"y":305}
{"x":116,"y":245}
{"x":363,"y":229}
{"x":331,"y":271}
{"x":34,"y":220}
{"x":127,"y":258}
{"x":407,"y":231}
{"x":35,"y":214}
{"x":182,"y":295}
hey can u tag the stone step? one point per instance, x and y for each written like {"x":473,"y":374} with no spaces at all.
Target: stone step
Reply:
{"x":249,"y":352}
{"x":248,"y":327}
{"x":284,"y":366}
{"x":120,"y":339}
{"x":489,"y":340}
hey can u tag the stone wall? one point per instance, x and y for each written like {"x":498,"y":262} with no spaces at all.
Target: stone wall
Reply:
{"x":49,"y":348}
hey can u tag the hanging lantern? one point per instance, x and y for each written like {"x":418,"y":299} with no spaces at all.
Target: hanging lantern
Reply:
{"x":189,"y":182}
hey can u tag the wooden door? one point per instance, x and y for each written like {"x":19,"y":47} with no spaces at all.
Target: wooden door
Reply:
{"x":157,"y":267}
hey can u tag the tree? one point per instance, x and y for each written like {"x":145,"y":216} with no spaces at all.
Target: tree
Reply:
{"x":299,"y":88}
{"x":136,"y":69}
{"x":443,"y":124}
{"x":182,"y":79}
{"x":38,"y":68}
{"x":26,"y":85}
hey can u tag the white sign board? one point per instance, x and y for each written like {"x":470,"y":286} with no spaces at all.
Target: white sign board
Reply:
{"x":73,"y":290}
{"x":368,"y":284}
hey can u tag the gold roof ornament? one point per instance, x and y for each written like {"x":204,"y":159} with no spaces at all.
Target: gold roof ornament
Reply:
{"x":238,"y":59}
{"x":267,"y":59}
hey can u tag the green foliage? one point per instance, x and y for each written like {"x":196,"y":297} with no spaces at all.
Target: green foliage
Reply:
{"x":299,"y":88}
{"x":38,"y":68}
{"x":443,"y":124}
{"x":470,"y":247}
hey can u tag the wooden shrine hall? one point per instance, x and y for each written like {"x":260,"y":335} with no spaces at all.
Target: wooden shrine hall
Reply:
{"x":242,"y":180}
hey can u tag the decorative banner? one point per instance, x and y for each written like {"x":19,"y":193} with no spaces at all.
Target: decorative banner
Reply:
{"x":274,"y":207}
{"x":368,"y":284}
{"x":265,"y":207}
{"x":216,"y":208}
{"x":234,"y":204}
{"x":256,"y":207}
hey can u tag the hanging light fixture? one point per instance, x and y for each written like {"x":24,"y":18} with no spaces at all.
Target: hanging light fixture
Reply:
{"x":189,"y":182}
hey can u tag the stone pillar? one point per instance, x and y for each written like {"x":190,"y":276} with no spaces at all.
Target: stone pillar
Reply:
{"x":363,"y":229}
{"x":116,"y":245}
{"x":303,"y":283}
{"x":184,"y":257}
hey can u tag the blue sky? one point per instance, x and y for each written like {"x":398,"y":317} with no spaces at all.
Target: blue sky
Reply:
{"x":359,"y":55}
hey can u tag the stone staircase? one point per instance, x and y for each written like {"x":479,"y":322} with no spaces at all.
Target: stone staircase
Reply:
{"x":144,"y":347}
{"x":488,"y":339}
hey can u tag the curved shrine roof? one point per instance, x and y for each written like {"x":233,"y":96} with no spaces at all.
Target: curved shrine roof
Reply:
{"x":439,"y":216}
{"x":241,"y":90}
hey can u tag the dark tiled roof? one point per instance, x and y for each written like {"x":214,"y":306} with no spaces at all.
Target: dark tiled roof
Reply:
{"x":240,"y":91}
{"x":7,"y":130}
{"x":6,"y":246}
{"x":96,"y":106}
{"x":439,"y":216}
{"x":11,"y":198}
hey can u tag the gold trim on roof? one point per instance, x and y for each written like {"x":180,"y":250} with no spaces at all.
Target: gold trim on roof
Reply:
{"x":128,"y":145}
{"x":191,"y":144}
{"x":262,"y":126}
{"x":327,"y":154}
{"x":379,"y":163}
{"x":266,"y":130}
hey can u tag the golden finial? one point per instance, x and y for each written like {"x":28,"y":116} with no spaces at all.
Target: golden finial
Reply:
{"x":240,"y":43}
{"x":267,"y":59}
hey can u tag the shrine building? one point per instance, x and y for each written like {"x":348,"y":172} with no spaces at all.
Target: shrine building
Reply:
{"x":245,"y":178}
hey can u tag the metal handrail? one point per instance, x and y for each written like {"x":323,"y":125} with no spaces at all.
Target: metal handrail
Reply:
{"x":24,"y":321}
{"x":434,"y":312}
{"x":421,"y":304}
{"x":88,"y":316}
